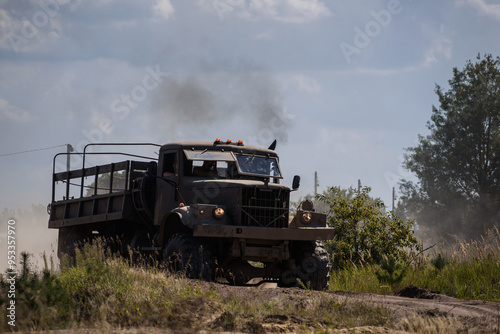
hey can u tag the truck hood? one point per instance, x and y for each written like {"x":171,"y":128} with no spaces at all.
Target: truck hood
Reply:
{"x":231,"y":183}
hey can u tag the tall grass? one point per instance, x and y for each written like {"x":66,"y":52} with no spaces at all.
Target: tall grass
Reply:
{"x":466,"y":270}
{"x":108,"y":289}
{"x":101,"y":290}
{"x":360,"y":278}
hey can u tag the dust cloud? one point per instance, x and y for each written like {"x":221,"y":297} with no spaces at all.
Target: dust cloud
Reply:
{"x":32,"y":235}
{"x":452,"y":219}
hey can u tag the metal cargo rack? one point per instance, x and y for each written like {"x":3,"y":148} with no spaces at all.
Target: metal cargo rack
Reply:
{"x":102,"y":202}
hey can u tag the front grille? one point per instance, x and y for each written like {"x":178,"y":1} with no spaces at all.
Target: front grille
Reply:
{"x":264,"y":207}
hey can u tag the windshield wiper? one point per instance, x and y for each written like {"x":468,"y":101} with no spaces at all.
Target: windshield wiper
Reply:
{"x":201,"y":152}
{"x":248,"y":159}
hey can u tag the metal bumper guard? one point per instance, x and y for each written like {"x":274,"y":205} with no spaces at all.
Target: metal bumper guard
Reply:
{"x":250,"y":232}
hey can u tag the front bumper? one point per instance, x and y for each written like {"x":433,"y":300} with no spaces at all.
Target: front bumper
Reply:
{"x":250,"y":232}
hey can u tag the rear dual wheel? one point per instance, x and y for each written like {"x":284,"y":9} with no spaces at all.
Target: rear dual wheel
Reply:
{"x":70,"y":239}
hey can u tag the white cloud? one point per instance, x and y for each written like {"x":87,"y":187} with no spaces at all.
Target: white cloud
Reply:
{"x":264,"y":36}
{"x":288,"y":11}
{"x":13,"y":113}
{"x":5,"y":26}
{"x":483,"y":7}
{"x":348,"y":141}
{"x":94,"y":4}
{"x":164,"y":8}
{"x":306,"y":83}
{"x":374,"y":71}
{"x":442,"y":46}
{"x":27,"y":31}
{"x":37,"y":26}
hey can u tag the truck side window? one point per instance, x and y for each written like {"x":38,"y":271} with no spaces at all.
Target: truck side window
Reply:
{"x":170,"y":165}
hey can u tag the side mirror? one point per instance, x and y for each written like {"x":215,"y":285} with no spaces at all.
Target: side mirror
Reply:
{"x":296,"y":182}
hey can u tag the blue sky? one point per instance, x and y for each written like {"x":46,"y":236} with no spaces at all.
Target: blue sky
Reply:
{"x":344,"y":86}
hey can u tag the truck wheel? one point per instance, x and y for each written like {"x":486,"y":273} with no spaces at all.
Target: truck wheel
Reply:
{"x":312,"y":267}
{"x":69,"y":240}
{"x":186,"y":255}
{"x":132,"y":247}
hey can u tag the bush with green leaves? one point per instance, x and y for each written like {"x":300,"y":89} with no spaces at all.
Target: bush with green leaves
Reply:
{"x":365,"y":232}
{"x":41,"y":302}
{"x":391,"y":271}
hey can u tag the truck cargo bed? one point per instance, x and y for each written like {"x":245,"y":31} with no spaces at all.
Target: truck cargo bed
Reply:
{"x":98,"y":202}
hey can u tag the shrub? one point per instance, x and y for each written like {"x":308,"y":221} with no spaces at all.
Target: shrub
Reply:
{"x":40,"y":299}
{"x":364,"y":232}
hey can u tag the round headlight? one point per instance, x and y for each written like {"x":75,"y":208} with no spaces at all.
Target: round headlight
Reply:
{"x":219,"y":213}
{"x":306,"y":217}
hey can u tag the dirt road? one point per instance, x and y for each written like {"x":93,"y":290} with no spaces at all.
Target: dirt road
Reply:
{"x":294,"y":310}
{"x":476,"y":316}
{"x":469,"y":316}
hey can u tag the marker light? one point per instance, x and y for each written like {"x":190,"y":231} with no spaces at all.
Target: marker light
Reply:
{"x":306,"y":217}
{"x":240,"y":142}
{"x":229,"y":141}
{"x":217,"y":141}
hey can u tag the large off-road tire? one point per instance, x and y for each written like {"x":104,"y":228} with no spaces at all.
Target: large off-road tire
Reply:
{"x":186,"y":255}
{"x":69,"y":240}
{"x":312,"y":268}
{"x":131,"y":248}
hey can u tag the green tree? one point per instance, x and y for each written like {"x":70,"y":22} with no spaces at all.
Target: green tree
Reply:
{"x":365,"y":233}
{"x":458,"y":163}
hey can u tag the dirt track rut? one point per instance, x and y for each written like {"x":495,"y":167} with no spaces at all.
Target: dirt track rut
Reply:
{"x":475,"y":316}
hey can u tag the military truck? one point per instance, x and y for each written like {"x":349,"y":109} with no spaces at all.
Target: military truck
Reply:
{"x":211,"y":210}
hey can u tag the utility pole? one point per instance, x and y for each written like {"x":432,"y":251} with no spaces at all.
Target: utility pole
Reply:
{"x":316,"y":184}
{"x":359,"y":185}
{"x":69,"y":149}
{"x":393,"y":198}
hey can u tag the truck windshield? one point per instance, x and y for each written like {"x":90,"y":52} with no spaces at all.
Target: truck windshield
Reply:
{"x":230,"y":164}
{"x":258,"y":165}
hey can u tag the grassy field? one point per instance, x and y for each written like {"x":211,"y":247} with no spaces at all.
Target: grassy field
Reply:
{"x":102,"y":291}
{"x":465,"y":270}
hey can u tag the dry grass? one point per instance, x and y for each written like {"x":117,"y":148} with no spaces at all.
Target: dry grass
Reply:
{"x":430,"y":325}
{"x":466,"y":269}
{"x":487,"y":247}
{"x":105,"y":293}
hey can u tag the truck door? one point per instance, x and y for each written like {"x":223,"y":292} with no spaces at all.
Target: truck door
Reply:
{"x":166,"y":197}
